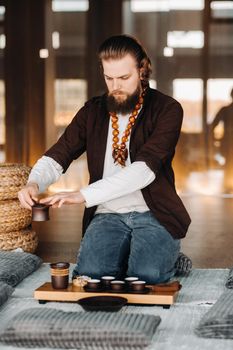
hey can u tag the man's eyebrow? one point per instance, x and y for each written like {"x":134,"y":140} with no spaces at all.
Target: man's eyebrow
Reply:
{"x":122,"y":76}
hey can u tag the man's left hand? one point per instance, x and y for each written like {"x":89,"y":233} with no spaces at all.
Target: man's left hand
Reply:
{"x":58,"y":199}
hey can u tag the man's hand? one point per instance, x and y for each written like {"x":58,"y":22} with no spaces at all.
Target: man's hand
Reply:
{"x":57,"y":200}
{"x":28,"y":195}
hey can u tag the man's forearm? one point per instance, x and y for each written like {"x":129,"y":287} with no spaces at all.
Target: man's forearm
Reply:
{"x":132,"y":178}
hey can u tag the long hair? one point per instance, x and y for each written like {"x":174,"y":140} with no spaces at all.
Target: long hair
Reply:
{"x":116,"y":47}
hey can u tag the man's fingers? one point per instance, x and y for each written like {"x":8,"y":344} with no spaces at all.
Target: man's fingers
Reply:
{"x":61,"y":198}
{"x":61,"y":202}
{"x":24,"y":202}
{"x":25,"y":205}
{"x":35,"y":199}
{"x":46,"y":200}
{"x":53,"y":199}
{"x":25,"y":199}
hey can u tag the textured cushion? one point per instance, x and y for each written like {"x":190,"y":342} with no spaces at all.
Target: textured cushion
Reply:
{"x":218,"y":321}
{"x":47,"y":327}
{"x":5,"y":292}
{"x":15,"y":266}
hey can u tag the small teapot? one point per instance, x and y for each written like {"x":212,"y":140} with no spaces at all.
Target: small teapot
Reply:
{"x":40,"y":212}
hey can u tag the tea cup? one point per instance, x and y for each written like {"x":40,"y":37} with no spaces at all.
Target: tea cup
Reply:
{"x":138,"y":286}
{"x":117,"y":285}
{"x":93,"y":284}
{"x":106,"y":281}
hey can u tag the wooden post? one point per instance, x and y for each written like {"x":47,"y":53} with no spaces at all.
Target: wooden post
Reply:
{"x":104,"y":20}
{"x":29,"y":80}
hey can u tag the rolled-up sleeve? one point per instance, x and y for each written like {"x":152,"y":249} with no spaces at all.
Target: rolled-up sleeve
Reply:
{"x":45,"y":172}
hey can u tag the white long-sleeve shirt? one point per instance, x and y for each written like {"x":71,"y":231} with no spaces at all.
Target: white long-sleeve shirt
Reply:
{"x":118,"y":191}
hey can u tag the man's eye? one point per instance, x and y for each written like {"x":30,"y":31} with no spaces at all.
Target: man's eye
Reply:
{"x":125,"y":78}
{"x":108,"y":78}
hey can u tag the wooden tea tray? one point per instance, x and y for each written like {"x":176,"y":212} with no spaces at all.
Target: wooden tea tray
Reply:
{"x":73,"y":293}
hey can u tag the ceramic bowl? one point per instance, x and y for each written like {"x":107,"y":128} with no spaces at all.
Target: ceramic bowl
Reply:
{"x":102,"y":303}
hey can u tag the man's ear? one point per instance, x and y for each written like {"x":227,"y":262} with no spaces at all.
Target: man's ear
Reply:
{"x":141,"y":73}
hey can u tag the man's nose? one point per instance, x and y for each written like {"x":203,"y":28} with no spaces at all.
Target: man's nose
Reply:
{"x":116,"y":84}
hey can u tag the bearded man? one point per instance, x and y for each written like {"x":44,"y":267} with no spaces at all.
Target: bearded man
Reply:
{"x":134,"y":219}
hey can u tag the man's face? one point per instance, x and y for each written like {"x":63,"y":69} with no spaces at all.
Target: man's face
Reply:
{"x":121,"y":77}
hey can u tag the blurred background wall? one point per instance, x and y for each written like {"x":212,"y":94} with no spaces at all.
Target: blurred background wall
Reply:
{"x":48,"y":69}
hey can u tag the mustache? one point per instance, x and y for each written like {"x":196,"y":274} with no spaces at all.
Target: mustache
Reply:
{"x":117,"y":92}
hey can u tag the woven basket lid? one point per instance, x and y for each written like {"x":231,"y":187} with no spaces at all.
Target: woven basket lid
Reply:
{"x":26,"y":239}
{"x":13,"y":177}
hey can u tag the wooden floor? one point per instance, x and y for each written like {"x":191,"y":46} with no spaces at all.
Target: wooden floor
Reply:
{"x":59,"y":238}
{"x":209,"y":241}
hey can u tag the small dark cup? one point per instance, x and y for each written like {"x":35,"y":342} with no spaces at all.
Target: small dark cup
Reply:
{"x":106,"y":281}
{"x":118,"y":285}
{"x":40,"y":212}
{"x":138,"y":286}
{"x":130,"y":280}
{"x":94,"y":284}
{"x":60,"y":275}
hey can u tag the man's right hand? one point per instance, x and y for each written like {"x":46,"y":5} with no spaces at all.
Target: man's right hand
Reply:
{"x":28,"y":195}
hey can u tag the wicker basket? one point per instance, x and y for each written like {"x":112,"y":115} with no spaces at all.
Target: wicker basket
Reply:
{"x":12,"y":178}
{"x":12,"y":216}
{"x":26,"y":239}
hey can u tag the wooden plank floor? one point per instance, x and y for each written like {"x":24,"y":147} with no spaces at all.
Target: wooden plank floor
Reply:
{"x":209,"y":241}
{"x":59,"y":238}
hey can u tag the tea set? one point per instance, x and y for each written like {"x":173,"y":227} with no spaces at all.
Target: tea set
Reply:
{"x":60,"y":289}
{"x":111,"y":284}
{"x":60,"y":278}
{"x":60,"y":271}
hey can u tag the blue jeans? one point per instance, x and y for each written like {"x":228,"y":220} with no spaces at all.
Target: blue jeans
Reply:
{"x":131,"y":244}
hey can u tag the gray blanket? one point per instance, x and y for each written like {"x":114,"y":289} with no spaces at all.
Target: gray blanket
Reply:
{"x":47,"y":327}
{"x":199,"y":292}
{"x":5,"y":292}
{"x":15,"y":266}
{"x":218,"y":321}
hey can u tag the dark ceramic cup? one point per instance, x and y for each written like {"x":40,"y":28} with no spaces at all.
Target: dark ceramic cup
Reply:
{"x":60,"y":275}
{"x":130,"y":280}
{"x":40,"y":212}
{"x":138,"y":286}
{"x":106,"y":281}
{"x":118,"y":286}
{"x":94,"y":284}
